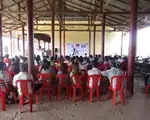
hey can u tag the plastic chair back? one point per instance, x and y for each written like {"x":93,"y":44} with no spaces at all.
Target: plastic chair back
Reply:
{"x":45,"y":78}
{"x":69,"y":68}
{"x":79,"y":79}
{"x":24,"y":86}
{"x":119,"y":81}
{"x":62,"y":79}
{"x":95,"y":79}
{"x":106,"y":66}
{"x":10,"y":75}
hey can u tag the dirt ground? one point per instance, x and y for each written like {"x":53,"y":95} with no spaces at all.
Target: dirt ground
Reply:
{"x":136,"y":107}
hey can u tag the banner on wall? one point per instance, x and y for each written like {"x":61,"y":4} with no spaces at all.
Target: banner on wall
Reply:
{"x":77,"y":49}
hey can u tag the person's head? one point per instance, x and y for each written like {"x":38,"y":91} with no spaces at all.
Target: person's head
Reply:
{"x":88,"y":60}
{"x":105,"y":58}
{"x":46,"y":65}
{"x":2,"y":66}
{"x":63,"y":68}
{"x":95,"y":64}
{"x":44,"y":61}
{"x":113,"y":63}
{"x":74,"y":49}
{"x":116,"y":57}
{"x":76,"y":68}
{"x":23,"y":67}
{"x":13,"y":60}
{"x":90,"y":56}
{"x":125,"y":59}
{"x":89,"y":67}
{"x":7,"y":56}
{"x":99,"y":56}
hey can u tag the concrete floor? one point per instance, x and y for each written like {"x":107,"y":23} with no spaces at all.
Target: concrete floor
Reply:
{"x":135,"y":108}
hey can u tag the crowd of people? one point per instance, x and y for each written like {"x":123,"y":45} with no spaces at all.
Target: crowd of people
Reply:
{"x":92,"y":65}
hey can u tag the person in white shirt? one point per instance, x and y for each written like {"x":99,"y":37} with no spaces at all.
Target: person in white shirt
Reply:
{"x":94,"y":71}
{"x":24,"y":75}
{"x":114,"y":71}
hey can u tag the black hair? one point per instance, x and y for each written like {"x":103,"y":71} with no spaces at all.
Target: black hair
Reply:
{"x":23,"y":67}
{"x":95,"y":64}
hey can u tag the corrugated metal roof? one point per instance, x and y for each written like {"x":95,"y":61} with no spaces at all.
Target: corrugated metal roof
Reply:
{"x":13,"y":20}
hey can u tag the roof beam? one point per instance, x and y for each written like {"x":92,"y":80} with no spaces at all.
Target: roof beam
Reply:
{"x":6,"y":12}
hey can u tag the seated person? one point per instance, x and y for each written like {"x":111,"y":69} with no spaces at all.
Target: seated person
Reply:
{"x":94,"y":71}
{"x":5,"y":78}
{"x":64,"y":70}
{"x":14,"y":67}
{"x":75,"y":71}
{"x":106,"y":65}
{"x":114,"y":71}
{"x":7,"y":61}
{"x":47,"y":69}
{"x":24,"y":75}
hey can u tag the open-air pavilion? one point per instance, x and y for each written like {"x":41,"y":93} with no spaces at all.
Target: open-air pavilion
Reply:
{"x":43,"y":19}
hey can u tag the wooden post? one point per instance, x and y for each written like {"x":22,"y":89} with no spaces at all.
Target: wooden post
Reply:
{"x":103,"y":37}
{"x":132,"y":45}
{"x":89,"y":36}
{"x":10,"y":36}
{"x":30,"y":35}
{"x":94,"y":37}
{"x":23,"y":41}
{"x":1,"y":41}
{"x":121,"y":43}
{"x":53,"y":34}
{"x":60,"y":39}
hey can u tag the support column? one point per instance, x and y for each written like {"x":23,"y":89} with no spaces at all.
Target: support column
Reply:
{"x":44,"y":45}
{"x":89,"y":36}
{"x":60,"y":39}
{"x":132,"y":45}
{"x":53,"y":34}
{"x":64,"y":41}
{"x":30,"y":35}
{"x":23,"y":41}
{"x":1,"y":42}
{"x":10,"y":36}
{"x":94,"y":37}
{"x":121,"y":43}
{"x":18,"y":36}
{"x":39,"y":44}
{"x":103,"y":37}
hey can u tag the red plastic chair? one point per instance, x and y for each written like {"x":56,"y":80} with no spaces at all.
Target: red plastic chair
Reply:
{"x":3,"y":96}
{"x":106,"y":66}
{"x":10,"y":75}
{"x":96,"y":79}
{"x":58,"y":68}
{"x":79,"y":84}
{"x":147,"y":88}
{"x":119,"y":87}
{"x":37,"y":67}
{"x":69,"y":68}
{"x":62,"y":84}
{"x":25,"y":93}
{"x":46,"y":79}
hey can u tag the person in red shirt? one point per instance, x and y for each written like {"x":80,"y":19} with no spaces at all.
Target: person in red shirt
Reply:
{"x":7,"y":61}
